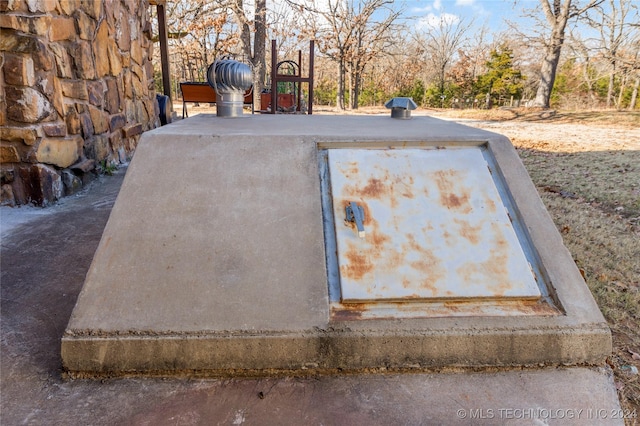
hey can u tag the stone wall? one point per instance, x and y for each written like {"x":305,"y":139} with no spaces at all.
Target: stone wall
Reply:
{"x":76,"y":92}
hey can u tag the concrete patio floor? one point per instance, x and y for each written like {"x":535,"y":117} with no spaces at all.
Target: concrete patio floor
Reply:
{"x":45,"y":256}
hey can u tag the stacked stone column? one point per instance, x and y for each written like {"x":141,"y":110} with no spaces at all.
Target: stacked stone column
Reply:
{"x":76,"y":92}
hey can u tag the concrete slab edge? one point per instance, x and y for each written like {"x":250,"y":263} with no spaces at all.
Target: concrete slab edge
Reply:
{"x":330,"y":351}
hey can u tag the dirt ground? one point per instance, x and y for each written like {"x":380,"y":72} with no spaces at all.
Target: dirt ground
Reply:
{"x":586,"y":166}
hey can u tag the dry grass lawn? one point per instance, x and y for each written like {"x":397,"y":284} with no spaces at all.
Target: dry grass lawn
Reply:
{"x":586,"y":166}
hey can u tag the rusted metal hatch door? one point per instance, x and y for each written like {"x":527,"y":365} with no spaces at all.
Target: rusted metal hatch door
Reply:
{"x":434,"y":227}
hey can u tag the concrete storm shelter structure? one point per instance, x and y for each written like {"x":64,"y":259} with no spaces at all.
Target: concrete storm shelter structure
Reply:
{"x":282,"y":244}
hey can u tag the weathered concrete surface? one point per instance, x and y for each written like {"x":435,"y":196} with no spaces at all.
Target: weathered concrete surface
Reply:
{"x":45,"y":256}
{"x":223,"y":268}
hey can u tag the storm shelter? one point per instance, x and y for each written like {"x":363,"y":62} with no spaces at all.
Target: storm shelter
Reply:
{"x":328,"y":243}
{"x":438,"y":230}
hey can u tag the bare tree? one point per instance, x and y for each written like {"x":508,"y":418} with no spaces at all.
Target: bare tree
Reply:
{"x":632,"y":62}
{"x":283,"y":25}
{"x":399,"y":72}
{"x":196,"y":28}
{"x":352,"y":33}
{"x":618,"y":41}
{"x":253,"y":48}
{"x":371,"y":40}
{"x":557,"y":16}
{"x":580,"y":50}
{"x":441,"y":42}
{"x":634,"y":93}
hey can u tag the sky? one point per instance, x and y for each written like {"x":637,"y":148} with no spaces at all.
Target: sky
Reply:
{"x":491,"y":13}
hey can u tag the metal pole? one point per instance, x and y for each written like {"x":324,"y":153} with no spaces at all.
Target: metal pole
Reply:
{"x":274,"y":83}
{"x":298,"y":85}
{"x":311,"y":51}
{"x":164,"y":48}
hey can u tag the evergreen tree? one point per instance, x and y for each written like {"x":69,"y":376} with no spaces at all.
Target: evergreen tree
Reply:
{"x":502,"y":80}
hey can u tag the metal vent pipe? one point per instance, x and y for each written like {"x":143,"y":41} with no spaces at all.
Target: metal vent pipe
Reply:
{"x":401,"y":107}
{"x":230,"y":79}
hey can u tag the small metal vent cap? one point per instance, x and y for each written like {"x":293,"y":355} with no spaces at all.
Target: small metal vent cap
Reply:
{"x":401,"y":107}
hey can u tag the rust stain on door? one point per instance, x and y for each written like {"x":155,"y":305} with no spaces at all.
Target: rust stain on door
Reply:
{"x":432,"y":225}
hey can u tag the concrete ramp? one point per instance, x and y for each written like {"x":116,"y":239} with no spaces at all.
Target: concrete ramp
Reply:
{"x":230,"y":251}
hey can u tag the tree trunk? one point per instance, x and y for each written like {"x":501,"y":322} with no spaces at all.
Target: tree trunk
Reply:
{"x":340,"y":91}
{"x":357,"y":78}
{"x":610,"y":87}
{"x":547,"y":76}
{"x":634,"y":94}
{"x":623,"y":85}
{"x":557,"y":19}
{"x":441,"y":78}
{"x":257,"y":52}
{"x":353,"y":86}
{"x":205,"y":57}
{"x":349,"y":84}
{"x":587,"y":81}
{"x":259,"y":49}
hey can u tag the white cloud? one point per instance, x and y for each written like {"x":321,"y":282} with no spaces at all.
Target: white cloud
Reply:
{"x":465,"y":2}
{"x":437,"y":5}
{"x":432,"y":21}
{"x":424,"y":9}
